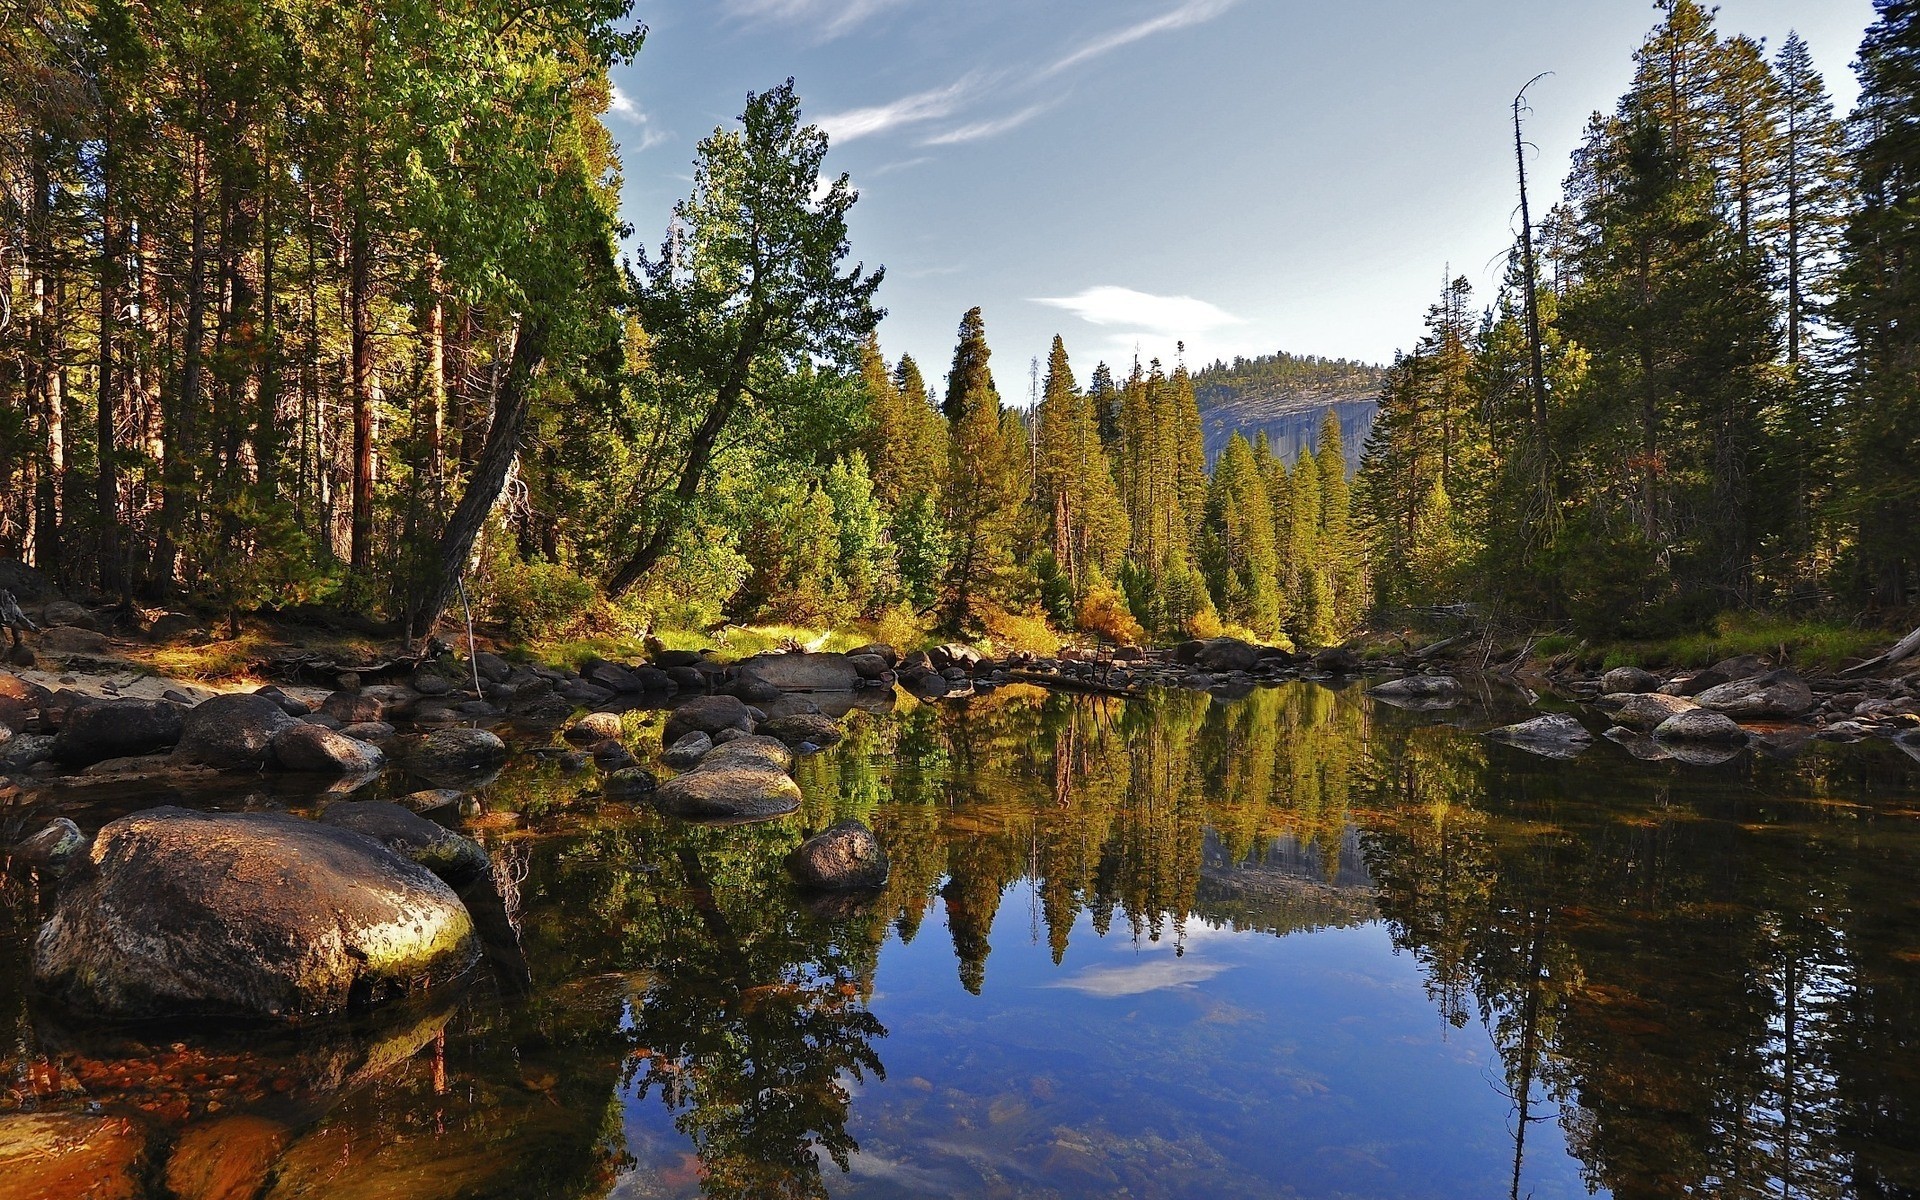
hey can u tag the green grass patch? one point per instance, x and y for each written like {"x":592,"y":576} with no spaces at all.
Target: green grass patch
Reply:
{"x":1805,"y":643}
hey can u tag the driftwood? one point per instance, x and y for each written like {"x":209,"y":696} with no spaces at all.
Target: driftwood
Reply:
{"x":322,"y":669}
{"x":1902,"y":650}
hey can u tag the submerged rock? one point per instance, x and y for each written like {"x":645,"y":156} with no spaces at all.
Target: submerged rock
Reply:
{"x":177,"y":913}
{"x":847,"y":857}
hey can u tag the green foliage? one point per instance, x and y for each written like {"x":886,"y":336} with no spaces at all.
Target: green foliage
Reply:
{"x":538,"y":599}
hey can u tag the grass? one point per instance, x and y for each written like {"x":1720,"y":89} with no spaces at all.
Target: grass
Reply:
{"x":231,"y":660}
{"x":1804,"y":642}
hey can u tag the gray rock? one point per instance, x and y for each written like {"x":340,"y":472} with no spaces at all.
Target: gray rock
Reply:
{"x":25,"y":750}
{"x":66,"y":612}
{"x":1226,"y":654}
{"x":868,"y":666}
{"x":1780,"y":694}
{"x":687,"y":751}
{"x":1643,"y":710}
{"x":377,"y":732}
{"x":54,"y":848}
{"x":71,"y":639}
{"x":1337,"y":660}
{"x":629,"y":783}
{"x":804,"y":672}
{"x":1418,"y":687}
{"x":753,"y":689}
{"x":453,"y":750}
{"x":307,"y":747}
{"x":351,"y":708}
{"x":847,"y":857}
{"x":429,"y":682}
{"x":708,"y":715}
{"x":177,"y":913}
{"x":749,"y":748}
{"x":1628,"y":680}
{"x":879,"y":650}
{"x":609,"y":675}
{"x":492,"y":667}
{"x":612,"y":755}
{"x":430,"y":800}
{"x":1699,"y":725}
{"x":798,"y":728}
{"x":595,"y":727}
{"x":116,"y":729}
{"x":456,"y":859}
{"x":234,"y":731}
{"x":1555,"y":735}
{"x":731,"y":790}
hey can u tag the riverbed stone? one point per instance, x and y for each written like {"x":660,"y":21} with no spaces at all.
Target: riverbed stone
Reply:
{"x":72,"y":1156}
{"x":752,"y":748}
{"x":116,"y":729}
{"x":629,"y":783}
{"x":446,"y":750}
{"x":1556,"y":735}
{"x":1628,"y":681}
{"x":1226,"y":654}
{"x":178,"y":913}
{"x":729,"y":790}
{"x":708,"y":715}
{"x":805,"y":672}
{"x":307,"y":747}
{"x":1643,"y":710}
{"x":54,"y":848}
{"x":796,"y":729}
{"x":1699,"y":725}
{"x":225,"y":1158}
{"x":1418,"y":687}
{"x":594,"y":727}
{"x":687,"y":751}
{"x":1776,"y":695}
{"x":845,"y":857}
{"x":433,"y":800}
{"x":457,"y":859}
{"x":232,"y":732}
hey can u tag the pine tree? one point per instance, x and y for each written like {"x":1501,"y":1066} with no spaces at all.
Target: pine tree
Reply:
{"x":1340,"y":557}
{"x":1309,"y":596}
{"x":987,"y":476}
{"x":1073,"y":477}
{"x":1236,"y":542}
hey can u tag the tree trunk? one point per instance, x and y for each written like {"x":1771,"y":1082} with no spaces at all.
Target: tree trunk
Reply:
{"x":360,"y":544}
{"x":111,"y":572}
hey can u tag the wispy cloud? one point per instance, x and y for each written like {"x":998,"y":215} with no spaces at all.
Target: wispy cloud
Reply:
{"x":908,"y":110}
{"x":1153,"y":975}
{"x":1191,"y":12}
{"x":621,"y":105}
{"x":980,"y":130}
{"x":830,"y":18}
{"x":1109,"y":305}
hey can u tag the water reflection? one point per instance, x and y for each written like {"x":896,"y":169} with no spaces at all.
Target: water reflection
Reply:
{"x":1643,"y":977}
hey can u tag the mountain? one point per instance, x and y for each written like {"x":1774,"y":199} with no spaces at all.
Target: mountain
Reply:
{"x":1287,"y":396}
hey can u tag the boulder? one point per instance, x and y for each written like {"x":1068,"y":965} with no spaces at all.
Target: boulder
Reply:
{"x":581,"y":692}
{"x":1643,"y":710}
{"x":1556,"y":735}
{"x":612,"y":755}
{"x":847,"y":857}
{"x":750,"y":748}
{"x":612,"y":676}
{"x":72,"y":1156}
{"x":629,"y":783}
{"x":293,"y":706}
{"x":804,"y":672}
{"x":168,"y":628}
{"x":594,"y":727}
{"x":802,"y":728}
{"x":753,"y":688}
{"x":1628,"y":680}
{"x":234,"y":731}
{"x":1743,"y":666}
{"x":66,"y":612}
{"x":225,"y":1158}
{"x":447,"y":750}
{"x":1699,"y":725}
{"x":1418,"y":687}
{"x":708,"y":715}
{"x":20,"y":701}
{"x":433,"y":800}
{"x":429,"y":682}
{"x":178,"y":913}
{"x":54,"y":848}
{"x":1780,"y":694}
{"x":1337,"y":660}
{"x":928,"y":685}
{"x":377,"y":732}
{"x":116,"y":729}
{"x":71,"y":639}
{"x":732,"y":789}
{"x":307,"y":747}
{"x":350,"y":708}
{"x":1226,"y":654}
{"x":879,"y":650}
{"x":26,"y":750}
{"x":492,"y":667}
{"x":869,"y":666}
{"x":456,"y":859}
{"x":953,"y":654}
{"x":687,"y":751}
{"x":668,"y":660}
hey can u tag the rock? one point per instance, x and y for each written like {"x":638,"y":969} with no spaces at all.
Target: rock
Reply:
{"x":70,"y":1156}
{"x":708,"y":715}
{"x":492,"y":667}
{"x":431,"y":800}
{"x":594,"y":727}
{"x":308,"y":747}
{"x":692,"y":679}
{"x":350,"y":708}
{"x":1779,"y":694}
{"x":225,"y":1158}
{"x":751,"y":687}
{"x":804,"y":672}
{"x":748,"y":748}
{"x":730,"y":789}
{"x":376,"y":732}
{"x":868,"y":666}
{"x":687,"y":751}
{"x":612,"y":755}
{"x":71,"y":639}
{"x":667,"y":660}
{"x":1744,"y":666}
{"x":1699,"y":725}
{"x":1555,"y":734}
{"x":234,"y":731}
{"x":847,"y":857}
{"x":1226,"y":654}
{"x":804,"y":727}
{"x":581,"y":692}
{"x":446,"y":750}
{"x":652,"y":679}
{"x":20,"y":702}
{"x":1628,"y":680}
{"x":21,"y":655}
{"x":246,"y":914}
{"x":322,"y":720}
{"x":66,"y":612}
{"x":116,"y":729}
{"x":609,"y":675}
{"x":429,"y":682}
{"x":1643,"y":710}
{"x":879,"y":650}
{"x":54,"y":848}
{"x":1337,"y":660}
{"x":953,"y":654}
{"x":26,"y":750}
{"x":629,"y":783}
{"x":1418,"y":687}
{"x":928,"y":685}
{"x":456,"y":859}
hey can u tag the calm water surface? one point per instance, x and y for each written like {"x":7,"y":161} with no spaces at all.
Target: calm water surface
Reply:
{"x":1288,"y":945}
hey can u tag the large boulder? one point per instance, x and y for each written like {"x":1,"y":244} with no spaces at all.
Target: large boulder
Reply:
{"x":805,"y":672}
{"x":869,"y":666}
{"x":1699,"y":725}
{"x":750,"y":748}
{"x":71,"y":639}
{"x":1418,"y":687}
{"x":178,"y":913}
{"x":66,"y":612}
{"x":91,"y":733}
{"x":729,"y":790}
{"x":800,"y":729}
{"x":231,"y":731}
{"x":1337,"y":660}
{"x":352,"y":707}
{"x":20,"y":701}
{"x":847,"y":857}
{"x":1643,"y":710}
{"x":306,"y":747}
{"x":458,"y":860}
{"x":708,"y":715}
{"x":1623,"y":681}
{"x":687,"y":751}
{"x":452,"y":750}
{"x":1226,"y":654}
{"x":954,"y":654}
{"x":752,"y":688}
{"x":1780,"y":694}
{"x":1555,"y":735}
{"x":594,"y":727}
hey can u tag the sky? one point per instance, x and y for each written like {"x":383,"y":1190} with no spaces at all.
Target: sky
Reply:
{"x":1243,"y":176}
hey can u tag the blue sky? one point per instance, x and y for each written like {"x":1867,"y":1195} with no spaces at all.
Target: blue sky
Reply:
{"x":1243,"y":175}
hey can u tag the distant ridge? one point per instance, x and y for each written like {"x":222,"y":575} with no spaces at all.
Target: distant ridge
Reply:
{"x":1287,"y":396}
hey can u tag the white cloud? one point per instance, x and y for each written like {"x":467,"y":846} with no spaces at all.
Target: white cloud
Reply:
{"x":1152,"y":975}
{"x":831,"y":17}
{"x":921,"y":106}
{"x":986,"y":129}
{"x":1192,"y":12}
{"x":1164,"y":315}
{"x":621,"y":105}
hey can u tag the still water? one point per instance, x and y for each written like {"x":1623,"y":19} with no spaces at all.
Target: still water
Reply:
{"x":1292,"y":944}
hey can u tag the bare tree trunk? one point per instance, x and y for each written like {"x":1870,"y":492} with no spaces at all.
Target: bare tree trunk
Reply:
{"x":110,"y":570}
{"x":360,"y":552}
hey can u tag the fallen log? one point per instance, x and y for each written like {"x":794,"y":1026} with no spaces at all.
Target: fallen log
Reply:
{"x":1902,"y":650}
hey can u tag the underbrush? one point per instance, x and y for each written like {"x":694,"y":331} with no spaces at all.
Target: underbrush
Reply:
{"x":1807,"y":643}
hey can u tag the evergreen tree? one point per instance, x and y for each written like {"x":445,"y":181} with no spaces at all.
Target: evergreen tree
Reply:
{"x":987,"y":478}
{"x":1073,"y":477}
{"x":1340,"y":559}
{"x":1236,"y":542}
{"x":1309,"y":598}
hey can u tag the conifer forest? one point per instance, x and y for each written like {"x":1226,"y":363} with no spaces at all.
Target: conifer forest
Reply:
{"x":320,"y":305}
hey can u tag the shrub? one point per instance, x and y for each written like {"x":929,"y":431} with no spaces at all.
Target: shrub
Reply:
{"x":1103,"y":612}
{"x":538,"y":599}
